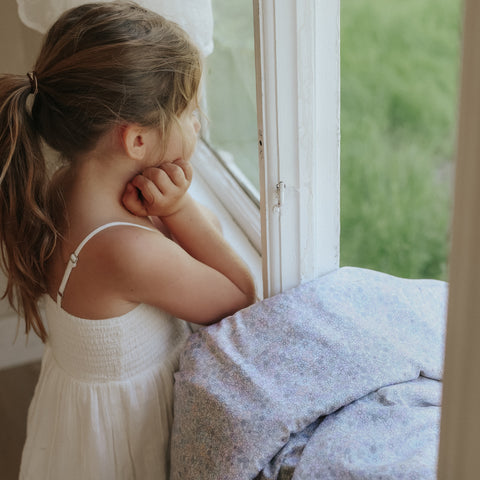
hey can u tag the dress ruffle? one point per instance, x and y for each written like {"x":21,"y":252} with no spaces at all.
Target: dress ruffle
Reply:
{"x":102,"y":407}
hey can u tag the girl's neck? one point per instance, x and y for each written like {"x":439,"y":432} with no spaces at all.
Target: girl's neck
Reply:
{"x":93,"y":188}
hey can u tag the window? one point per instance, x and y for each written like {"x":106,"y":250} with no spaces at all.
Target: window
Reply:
{"x":230,"y":90}
{"x":297,"y":77}
{"x":227,"y":157}
{"x":399,"y":64}
{"x":399,"y":67}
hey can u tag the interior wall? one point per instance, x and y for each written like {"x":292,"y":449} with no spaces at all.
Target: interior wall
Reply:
{"x":19,"y":46}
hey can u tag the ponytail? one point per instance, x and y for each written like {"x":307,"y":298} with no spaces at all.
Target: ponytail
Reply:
{"x":27,"y":231}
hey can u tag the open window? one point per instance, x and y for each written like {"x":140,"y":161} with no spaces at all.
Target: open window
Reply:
{"x":298,"y":165}
{"x":227,"y":155}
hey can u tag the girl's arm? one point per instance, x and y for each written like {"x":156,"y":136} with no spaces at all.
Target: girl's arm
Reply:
{"x":212,"y":268}
{"x":198,"y":236}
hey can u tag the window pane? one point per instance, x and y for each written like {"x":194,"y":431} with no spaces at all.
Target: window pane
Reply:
{"x":230,"y":86}
{"x":399,"y":70}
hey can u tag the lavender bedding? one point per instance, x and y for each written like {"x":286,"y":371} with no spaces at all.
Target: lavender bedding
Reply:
{"x":339,"y":378}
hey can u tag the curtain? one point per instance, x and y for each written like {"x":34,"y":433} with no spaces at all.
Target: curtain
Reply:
{"x":195,"y":16}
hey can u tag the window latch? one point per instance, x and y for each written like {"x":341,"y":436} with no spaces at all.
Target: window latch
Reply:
{"x":280,"y":192}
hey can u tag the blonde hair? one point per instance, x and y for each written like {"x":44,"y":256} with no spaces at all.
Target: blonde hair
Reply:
{"x":101,"y":64}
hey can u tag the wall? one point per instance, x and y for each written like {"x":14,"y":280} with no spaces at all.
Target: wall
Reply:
{"x":18,"y":48}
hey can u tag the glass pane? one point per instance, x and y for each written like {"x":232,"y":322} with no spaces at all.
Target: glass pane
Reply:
{"x":399,"y":78}
{"x":230,"y":86}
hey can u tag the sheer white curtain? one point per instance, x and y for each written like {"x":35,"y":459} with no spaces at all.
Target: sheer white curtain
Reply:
{"x":195,"y":16}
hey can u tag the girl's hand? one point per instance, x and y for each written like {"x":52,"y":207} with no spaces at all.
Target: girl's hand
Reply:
{"x":158,"y":191}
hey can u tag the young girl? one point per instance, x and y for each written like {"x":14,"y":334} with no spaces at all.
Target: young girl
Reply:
{"x":113,"y":241}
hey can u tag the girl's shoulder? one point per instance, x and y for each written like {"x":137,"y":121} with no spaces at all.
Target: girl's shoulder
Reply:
{"x":133,"y":255}
{"x":109,"y":268}
{"x":125,"y":247}
{"x":139,"y":264}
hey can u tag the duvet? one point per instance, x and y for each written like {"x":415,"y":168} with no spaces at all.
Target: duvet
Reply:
{"x":339,"y":378}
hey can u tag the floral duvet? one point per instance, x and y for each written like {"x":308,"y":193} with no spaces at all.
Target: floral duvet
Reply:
{"x":339,"y":378}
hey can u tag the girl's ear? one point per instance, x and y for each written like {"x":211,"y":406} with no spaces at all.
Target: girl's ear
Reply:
{"x":134,"y":141}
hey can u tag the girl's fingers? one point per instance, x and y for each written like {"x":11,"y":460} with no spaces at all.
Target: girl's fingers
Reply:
{"x":175,"y":174}
{"x":179,"y":172}
{"x":132,"y":201}
{"x":149,"y":189}
{"x":186,"y":166}
{"x":158,"y":191}
{"x":159,"y":178}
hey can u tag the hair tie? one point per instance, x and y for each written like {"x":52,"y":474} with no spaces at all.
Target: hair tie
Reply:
{"x":32,"y":76}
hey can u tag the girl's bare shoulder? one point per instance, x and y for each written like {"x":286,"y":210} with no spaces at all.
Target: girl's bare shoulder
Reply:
{"x":122,"y":247}
{"x":148,"y":267}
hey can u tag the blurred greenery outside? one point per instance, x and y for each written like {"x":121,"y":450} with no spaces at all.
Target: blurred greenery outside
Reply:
{"x":399,"y":81}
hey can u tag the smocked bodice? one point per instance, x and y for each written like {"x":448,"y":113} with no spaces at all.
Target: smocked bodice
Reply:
{"x":115,"y":348}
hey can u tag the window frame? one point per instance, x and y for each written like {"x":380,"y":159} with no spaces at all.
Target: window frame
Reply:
{"x":299,"y":165}
{"x":298,"y":107}
{"x":231,"y":188}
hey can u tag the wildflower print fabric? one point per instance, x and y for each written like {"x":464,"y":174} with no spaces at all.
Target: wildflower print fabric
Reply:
{"x":337,"y":378}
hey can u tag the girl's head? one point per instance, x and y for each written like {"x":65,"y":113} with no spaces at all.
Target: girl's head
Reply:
{"x":101,"y":65}
{"x":110,"y":63}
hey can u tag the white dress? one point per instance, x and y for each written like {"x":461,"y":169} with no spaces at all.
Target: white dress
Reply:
{"x":102,"y":408}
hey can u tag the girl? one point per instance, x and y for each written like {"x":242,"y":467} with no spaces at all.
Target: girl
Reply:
{"x":114,"y":91}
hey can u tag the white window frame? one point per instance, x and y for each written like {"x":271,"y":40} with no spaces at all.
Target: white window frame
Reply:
{"x":219,"y":190}
{"x":298,"y":104}
{"x":231,"y":188}
{"x":297,"y":44}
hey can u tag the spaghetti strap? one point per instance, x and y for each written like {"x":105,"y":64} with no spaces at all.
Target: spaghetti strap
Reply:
{"x":72,"y":262}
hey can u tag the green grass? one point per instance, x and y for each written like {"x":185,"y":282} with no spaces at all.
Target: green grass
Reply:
{"x":399,"y":77}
